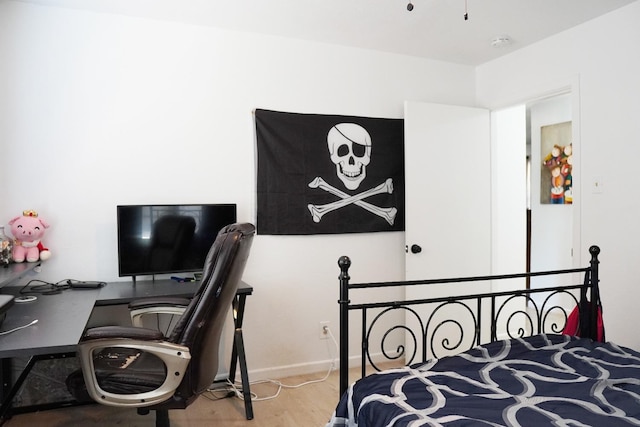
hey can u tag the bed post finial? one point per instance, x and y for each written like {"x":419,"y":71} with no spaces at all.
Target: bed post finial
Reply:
{"x":344,"y":263}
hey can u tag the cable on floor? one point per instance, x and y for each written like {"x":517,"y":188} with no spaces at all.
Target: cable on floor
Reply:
{"x":234,"y":388}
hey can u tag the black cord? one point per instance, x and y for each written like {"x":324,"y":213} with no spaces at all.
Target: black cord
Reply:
{"x":45,"y":288}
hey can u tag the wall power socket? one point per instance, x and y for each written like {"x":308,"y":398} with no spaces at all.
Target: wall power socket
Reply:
{"x":324,"y":330}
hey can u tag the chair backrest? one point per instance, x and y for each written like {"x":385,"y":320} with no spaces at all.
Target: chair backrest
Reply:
{"x":201,"y":325}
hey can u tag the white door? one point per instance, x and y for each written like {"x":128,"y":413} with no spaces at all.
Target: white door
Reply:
{"x":448,"y":188}
{"x":448,"y":209}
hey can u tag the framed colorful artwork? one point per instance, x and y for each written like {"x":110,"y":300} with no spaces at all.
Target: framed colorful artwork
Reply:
{"x":556,"y":180}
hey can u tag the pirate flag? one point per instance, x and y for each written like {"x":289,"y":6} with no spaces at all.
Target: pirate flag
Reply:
{"x":326,"y":174}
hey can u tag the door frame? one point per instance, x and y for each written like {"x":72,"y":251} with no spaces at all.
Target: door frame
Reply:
{"x":569,"y":85}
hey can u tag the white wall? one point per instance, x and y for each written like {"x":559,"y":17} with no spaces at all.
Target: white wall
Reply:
{"x":600,"y":56}
{"x":98,"y":110}
{"x":508,"y":183}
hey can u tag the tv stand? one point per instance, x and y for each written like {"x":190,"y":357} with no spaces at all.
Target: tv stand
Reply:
{"x":153,"y":279}
{"x":134,"y":279}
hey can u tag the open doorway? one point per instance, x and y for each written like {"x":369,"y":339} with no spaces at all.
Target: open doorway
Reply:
{"x":549,"y":157}
{"x":528,"y":233}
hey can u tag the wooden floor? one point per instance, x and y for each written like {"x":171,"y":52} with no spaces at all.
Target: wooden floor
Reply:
{"x":308,"y":405}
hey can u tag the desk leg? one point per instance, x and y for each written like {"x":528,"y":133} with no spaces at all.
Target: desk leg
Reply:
{"x":238,"y":317}
{"x":6,"y":373}
{"x":9,"y":391}
{"x":244,"y":375}
{"x":238,"y":355}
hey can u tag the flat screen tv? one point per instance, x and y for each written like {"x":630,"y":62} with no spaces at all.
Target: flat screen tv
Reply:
{"x":163,"y":239}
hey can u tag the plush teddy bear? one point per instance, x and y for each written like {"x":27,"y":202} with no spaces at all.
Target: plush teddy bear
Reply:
{"x":27,"y":230}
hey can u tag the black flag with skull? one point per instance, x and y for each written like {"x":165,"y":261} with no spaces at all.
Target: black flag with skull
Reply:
{"x":327,"y":174}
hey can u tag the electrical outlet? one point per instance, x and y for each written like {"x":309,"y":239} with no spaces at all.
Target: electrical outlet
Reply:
{"x":324,"y":330}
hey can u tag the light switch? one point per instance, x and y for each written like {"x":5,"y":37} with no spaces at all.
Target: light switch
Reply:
{"x":597,"y":185}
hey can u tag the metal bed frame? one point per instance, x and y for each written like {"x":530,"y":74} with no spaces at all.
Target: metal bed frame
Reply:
{"x":537,"y":317}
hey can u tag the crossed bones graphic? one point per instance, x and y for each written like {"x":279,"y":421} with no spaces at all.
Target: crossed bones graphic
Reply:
{"x":318,"y":211}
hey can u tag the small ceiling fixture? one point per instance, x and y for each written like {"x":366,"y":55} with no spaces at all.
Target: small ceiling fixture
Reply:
{"x":466,"y":13}
{"x":501,"y":41}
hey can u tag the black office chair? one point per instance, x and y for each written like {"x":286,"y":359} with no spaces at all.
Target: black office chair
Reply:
{"x":141,"y":368}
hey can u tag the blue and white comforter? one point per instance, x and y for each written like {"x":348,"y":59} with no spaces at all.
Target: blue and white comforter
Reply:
{"x":544,"y":380}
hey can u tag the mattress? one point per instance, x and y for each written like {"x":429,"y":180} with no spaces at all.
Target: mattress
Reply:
{"x":543,"y":380}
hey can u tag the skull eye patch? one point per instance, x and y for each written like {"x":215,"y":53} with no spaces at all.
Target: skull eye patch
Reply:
{"x":358,"y":150}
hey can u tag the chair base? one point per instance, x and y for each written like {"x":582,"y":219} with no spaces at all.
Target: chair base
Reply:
{"x":162,"y":416}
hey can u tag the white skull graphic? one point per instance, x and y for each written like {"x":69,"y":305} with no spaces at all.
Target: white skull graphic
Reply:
{"x":350,"y":149}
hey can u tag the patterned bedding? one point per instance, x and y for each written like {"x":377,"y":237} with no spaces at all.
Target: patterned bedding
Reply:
{"x":543,"y":380}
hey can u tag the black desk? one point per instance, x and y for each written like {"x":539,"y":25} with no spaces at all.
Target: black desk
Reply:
{"x":62,"y":319}
{"x":124,"y":292}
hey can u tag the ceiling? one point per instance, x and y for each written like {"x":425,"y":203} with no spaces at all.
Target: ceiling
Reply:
{"x":434,"y":29}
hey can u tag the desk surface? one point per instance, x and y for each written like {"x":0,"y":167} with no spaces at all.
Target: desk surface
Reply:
{"x":124,"y":292}
{"x":62,"y":317}
{"x":61,"y":321}
{"x":15,"y":271}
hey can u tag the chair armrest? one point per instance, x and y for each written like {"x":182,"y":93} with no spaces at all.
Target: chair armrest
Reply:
{"x":122,"y":332}
{"x":158,"y":302}
{"x":164,"y":305}
{"x":175,"y":357}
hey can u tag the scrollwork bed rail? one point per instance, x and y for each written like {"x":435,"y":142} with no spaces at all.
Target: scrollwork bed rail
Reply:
{"x":481,"y":308}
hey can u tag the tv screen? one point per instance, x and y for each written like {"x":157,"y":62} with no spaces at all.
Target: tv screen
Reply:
{"x":159,"y":239}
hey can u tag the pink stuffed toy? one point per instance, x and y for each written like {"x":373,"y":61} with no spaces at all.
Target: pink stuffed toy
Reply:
{"x":27,"y":230}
